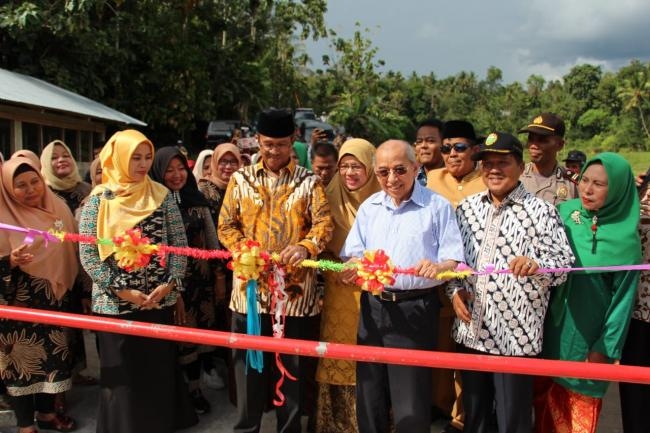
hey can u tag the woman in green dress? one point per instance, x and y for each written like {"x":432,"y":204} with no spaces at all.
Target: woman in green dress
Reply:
{"x":589,"y":315}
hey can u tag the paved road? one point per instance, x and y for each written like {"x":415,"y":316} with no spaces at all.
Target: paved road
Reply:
{"x":83,"y":404}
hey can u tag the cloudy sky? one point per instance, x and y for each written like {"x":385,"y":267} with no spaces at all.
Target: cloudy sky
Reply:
{"x":521,"y":37}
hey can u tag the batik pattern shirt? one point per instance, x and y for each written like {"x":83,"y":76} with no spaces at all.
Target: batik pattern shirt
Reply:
{"x":507,"y":313}
{"x":290,"y":209}
{"x":165,"y":226}
{"x":642,"y":305}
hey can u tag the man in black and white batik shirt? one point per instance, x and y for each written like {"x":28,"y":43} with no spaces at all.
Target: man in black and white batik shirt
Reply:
{"x":503,"y":314}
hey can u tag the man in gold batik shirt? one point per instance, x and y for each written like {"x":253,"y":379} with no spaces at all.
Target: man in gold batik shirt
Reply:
{"x":283,"y":207}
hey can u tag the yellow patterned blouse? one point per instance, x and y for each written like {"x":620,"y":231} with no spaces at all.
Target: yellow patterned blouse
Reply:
{"x":277,"y":211}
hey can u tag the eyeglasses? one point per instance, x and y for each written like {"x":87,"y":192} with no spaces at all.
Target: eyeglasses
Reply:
{"x":400,"y":170}
{"x":350,"y":168}
{"x":428,"y":140}
{"x":225,"y":162}
{"x":458,"y":147}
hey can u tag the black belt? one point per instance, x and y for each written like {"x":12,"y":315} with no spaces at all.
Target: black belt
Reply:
{"x":402,"y":295}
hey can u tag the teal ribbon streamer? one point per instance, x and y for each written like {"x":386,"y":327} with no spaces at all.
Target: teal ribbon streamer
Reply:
{"x":254,"y":358}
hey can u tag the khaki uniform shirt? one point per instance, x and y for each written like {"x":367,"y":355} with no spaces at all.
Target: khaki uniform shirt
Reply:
{"x":442,"y":182}
{"x":555,"y":189}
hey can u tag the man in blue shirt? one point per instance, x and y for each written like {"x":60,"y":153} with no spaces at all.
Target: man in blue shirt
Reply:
{"x":416,"y":228}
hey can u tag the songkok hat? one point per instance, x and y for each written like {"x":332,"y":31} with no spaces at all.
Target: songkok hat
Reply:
{"x":458,"y":129}
{"x":275,"y":123}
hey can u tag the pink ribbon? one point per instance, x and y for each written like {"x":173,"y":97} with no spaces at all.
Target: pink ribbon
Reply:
{"x":30,"y":234}
{"x":490,"y":269}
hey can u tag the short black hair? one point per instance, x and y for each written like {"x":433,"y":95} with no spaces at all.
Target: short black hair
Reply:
{"x":324,"y":149}
{"x":432,"y":122}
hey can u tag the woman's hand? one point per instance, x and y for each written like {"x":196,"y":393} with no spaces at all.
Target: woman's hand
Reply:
{"x":131,"y":295}
{"x":179,"y":312}
{"x":597,"y":358}
{"x":20,"y":256}
{"x":220,"y":287}
{"x":86,"y":306}
{"x":159,"y":293}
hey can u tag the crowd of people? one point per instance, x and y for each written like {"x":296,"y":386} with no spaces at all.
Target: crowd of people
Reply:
{"x":450,"y":197}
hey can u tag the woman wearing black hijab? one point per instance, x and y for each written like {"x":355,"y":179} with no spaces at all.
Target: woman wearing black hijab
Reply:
{"x":197,"y":310}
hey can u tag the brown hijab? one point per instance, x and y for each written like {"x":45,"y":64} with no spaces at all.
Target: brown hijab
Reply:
{"x":343,"y":202}
{"x":219,"y":153}
{"x":57,"y":262}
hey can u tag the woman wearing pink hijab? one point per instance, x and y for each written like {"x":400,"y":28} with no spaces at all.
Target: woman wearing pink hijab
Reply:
{"x":225,"y":160}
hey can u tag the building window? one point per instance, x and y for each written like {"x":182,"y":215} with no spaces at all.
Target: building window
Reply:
{"x":32,"y":137}
{"x":51,"y":133}
{"x":5,"y":138}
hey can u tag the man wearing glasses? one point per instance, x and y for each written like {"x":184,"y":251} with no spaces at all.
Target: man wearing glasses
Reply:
{"x":416,"y":228}
{"x":459,"y":178}
{"x":428,"y":140}
{"x":283,"y":207}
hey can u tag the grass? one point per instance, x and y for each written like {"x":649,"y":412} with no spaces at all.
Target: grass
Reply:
{"x":640,"y":161}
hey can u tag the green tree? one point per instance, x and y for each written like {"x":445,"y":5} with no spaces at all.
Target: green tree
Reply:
{"x":634,"y":90}
{"x":362,"y":107}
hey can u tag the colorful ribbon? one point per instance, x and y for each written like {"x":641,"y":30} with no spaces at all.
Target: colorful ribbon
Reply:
{"x":375,"y":268}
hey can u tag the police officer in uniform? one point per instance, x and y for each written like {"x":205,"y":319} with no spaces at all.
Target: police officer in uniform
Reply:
{"x":543,"y":176}
{"x":574,"y":161}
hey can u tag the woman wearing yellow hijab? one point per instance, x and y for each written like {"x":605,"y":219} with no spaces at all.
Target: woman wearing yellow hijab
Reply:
{"x":137,"y":374}
{"x":61,"y":174}
{"x":354,"y":182}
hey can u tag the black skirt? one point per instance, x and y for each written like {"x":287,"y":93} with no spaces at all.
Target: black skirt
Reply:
{"x":141,"y":386}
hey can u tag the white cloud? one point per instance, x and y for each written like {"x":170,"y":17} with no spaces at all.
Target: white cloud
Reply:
{"x":543,"y":37}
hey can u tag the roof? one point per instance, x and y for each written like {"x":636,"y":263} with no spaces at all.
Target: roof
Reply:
{"x":23,"y":89}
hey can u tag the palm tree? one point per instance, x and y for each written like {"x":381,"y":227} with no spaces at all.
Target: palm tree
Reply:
{"x":634,"y":91}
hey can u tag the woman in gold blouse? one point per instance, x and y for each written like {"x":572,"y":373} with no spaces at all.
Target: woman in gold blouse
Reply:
{"x":354,"y":182}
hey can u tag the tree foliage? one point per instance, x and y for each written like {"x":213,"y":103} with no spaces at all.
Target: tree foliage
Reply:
{"x":179,"y":63}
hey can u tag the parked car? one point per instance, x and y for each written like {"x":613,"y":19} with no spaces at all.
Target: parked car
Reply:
{"x":311,"y":125}
{"x":221,"y":130}
{"x":303,"y":114}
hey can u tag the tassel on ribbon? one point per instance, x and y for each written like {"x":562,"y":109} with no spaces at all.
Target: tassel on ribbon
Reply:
{"x":254,"y":358}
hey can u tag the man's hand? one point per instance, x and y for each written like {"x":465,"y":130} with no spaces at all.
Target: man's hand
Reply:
{"x":292,"y":255}
{"x":459,"y":302}
{"x":349,"y":276}
{"x":317,"y":136}
{"x":522,"y":266}
{"x":428,"y":269}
